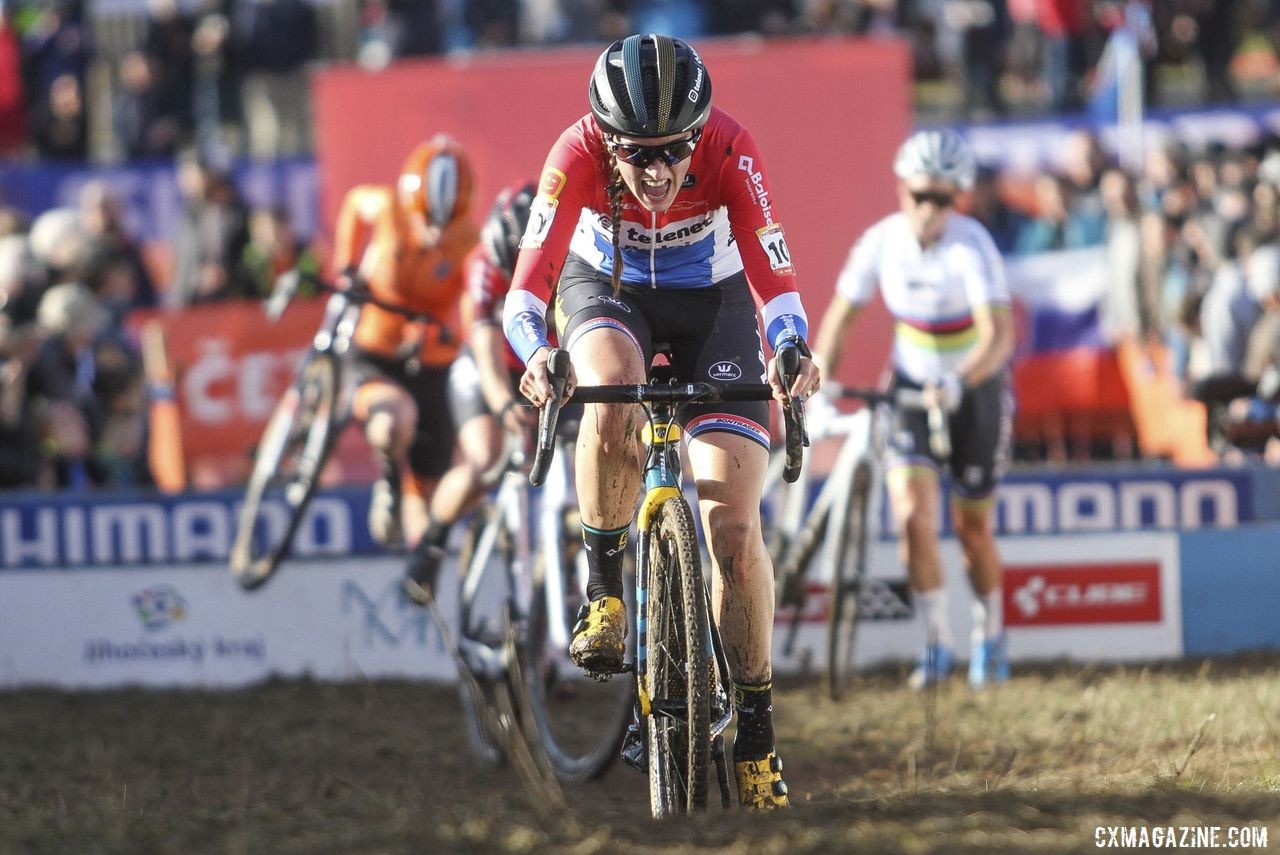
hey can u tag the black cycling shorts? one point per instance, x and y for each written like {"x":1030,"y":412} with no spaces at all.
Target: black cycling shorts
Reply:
{"x":710,"y":334}
{"x":431,"y":454}
{"x":466,"y":395}
{"x":981,"y":433}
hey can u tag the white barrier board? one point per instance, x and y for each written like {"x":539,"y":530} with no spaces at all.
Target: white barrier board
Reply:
{"x":194,"y":626}
{"x":1088,"y":597}
{"x":1106,"y":597}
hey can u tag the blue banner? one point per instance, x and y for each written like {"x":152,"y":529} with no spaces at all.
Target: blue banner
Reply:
{"x":1120,"y":500}
{"x":65,"y":530}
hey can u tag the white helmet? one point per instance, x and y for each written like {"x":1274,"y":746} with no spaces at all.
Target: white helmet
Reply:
{"x":937,"y":154}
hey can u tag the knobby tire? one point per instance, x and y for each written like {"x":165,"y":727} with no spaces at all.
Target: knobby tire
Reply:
{"x":678,"y":667}
{"x":288,"y":462}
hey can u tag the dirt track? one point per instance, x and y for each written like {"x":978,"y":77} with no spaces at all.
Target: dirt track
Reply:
{"x":1036,"y":766}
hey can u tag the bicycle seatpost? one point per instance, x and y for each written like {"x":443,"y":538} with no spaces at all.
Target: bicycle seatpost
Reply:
{"x":558,"y":367}
{"x":793,"y":415}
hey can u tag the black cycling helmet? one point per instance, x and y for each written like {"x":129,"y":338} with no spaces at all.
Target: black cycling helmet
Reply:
{"x":506,"y":224}
{"x":650,"y":86}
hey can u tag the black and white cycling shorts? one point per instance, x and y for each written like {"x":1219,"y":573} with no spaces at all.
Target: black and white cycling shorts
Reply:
{"x":711,"y":334}
{"x":981,"y":436}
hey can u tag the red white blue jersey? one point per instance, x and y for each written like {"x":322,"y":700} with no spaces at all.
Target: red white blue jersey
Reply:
{"x":723,"y":222}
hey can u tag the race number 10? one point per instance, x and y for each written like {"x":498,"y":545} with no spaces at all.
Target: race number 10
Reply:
{"x":774,"y":243}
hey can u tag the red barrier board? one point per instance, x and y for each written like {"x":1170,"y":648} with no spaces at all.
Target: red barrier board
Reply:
{"x":231,"y":365}
{"x":828,"y":115}
{"x":1055,"y":595}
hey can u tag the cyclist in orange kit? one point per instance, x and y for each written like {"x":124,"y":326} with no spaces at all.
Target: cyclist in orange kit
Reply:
{"x":406,"y":244}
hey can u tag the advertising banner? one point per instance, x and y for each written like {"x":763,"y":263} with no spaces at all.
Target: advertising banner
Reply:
{"x":71,"y":530}
{"x":829,"y":158}
{"x":1081,"y":597}
{"x":232,"y":364}
{"x":1104,"y":598}
{"x":181,"y":626}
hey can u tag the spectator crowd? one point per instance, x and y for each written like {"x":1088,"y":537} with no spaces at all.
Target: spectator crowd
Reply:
{"x":1192,"y":241}
{"x":233,"y":74}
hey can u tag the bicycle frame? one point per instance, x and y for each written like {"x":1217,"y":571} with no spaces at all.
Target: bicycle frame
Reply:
{"x":513,"y":512}
{"x":662,"y":481}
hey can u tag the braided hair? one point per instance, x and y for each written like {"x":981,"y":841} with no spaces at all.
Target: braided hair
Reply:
{"x":616,"y":186}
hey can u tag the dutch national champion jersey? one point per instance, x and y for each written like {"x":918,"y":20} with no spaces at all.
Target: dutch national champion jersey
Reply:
{"x":931,"y":293}
{"x":723,"y":222}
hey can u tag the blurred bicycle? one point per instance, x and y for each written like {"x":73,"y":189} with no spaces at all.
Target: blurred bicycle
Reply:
{"x":303,"y":428}
{"x":833,"y":530}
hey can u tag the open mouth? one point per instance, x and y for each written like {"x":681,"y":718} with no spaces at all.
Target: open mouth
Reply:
{"x":655,"y":191}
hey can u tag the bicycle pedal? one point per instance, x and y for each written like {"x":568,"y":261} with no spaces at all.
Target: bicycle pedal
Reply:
{"x":634,"y":751}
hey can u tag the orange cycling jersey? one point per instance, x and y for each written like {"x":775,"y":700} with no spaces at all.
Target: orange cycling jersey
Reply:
{"x":375,"y":236}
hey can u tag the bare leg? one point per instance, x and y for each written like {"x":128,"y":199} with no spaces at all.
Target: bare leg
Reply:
{"x":729,"y":471}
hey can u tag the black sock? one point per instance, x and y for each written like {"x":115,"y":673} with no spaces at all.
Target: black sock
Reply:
{"x":435,"y":534}
{"x":605,"y":551}
{"x":755,"y":721}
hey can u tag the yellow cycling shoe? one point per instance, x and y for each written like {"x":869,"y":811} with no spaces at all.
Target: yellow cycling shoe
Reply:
{"x":599,"y":637}
{"x":760,"y":784}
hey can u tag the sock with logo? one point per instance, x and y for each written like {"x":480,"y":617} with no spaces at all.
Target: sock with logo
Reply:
{"x":933,"y":604}
{"x":605,"y":551}
{"x":755,"y":720}
{"x":988,"y":615}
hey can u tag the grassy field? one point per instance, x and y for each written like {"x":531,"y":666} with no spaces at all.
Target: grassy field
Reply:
{"x":1037,"y":765}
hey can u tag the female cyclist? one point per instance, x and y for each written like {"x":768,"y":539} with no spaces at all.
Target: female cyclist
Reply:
{"x":943,"y":282}
{"x":653,"y":213}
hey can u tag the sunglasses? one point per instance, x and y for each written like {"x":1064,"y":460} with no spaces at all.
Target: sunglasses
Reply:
{"x":641,"y":156}
{"x":937,"y":197}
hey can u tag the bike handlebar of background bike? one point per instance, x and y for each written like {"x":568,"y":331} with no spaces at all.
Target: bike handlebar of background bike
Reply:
{"x":664,"y":393}
{"x":911,"y":399}
{"x":287,"y":286}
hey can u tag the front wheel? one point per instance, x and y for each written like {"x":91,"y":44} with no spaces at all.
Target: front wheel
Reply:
{"x":678,"y":670}
{"x":286,"y":470}
{"x":849,"y":567}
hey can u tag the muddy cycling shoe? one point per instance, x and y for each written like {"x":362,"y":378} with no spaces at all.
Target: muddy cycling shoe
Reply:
{"x":384,"y":506}
{"x":599,"y":637}
{"x":989,"y":662}
{"x":424,"y":568}
{"x":760,"y":784}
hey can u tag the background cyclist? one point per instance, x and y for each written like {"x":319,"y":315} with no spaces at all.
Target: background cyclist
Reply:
{"x":653,"y":212}
{"x":943,"y":282}
{"x":407,"y":244}
{"x":483,"y":394}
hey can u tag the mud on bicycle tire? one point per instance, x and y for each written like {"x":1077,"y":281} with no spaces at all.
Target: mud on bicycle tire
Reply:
{"x":846,"y":583}
{"x":289,"y":459}
{"x":678,"y":664}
